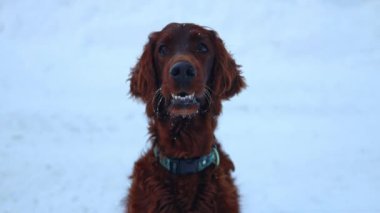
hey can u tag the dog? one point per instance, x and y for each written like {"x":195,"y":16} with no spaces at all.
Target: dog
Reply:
{"x":183,"y":75}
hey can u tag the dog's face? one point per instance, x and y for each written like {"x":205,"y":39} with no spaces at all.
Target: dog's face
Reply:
{"x":185,"y":70}
{"x":184,"y":58}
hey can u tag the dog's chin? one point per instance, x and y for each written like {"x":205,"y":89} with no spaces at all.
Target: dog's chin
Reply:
{"x":185,"y":106}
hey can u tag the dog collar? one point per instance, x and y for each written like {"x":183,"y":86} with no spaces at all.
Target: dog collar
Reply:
{"x":182,"y":166}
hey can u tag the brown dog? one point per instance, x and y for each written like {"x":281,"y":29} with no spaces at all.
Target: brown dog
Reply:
{"x":182,"y":76}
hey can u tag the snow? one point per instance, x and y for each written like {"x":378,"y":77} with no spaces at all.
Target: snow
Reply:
{"x":304,"y":136}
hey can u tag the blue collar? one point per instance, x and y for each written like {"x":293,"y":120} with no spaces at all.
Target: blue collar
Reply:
{"x":182,"y":166}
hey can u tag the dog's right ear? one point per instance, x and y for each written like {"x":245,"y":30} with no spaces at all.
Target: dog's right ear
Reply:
{"x":143,"y":78}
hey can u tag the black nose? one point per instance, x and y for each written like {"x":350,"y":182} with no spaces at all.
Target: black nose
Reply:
{"x":182,"y":72}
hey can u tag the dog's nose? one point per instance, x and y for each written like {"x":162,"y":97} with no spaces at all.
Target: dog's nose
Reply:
{"x":182,"y":72}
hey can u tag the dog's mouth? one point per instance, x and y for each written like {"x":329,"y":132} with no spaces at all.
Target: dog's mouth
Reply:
{"x":181,"y":104}
{"x":184,"y":104}
{"x":183,"y":99}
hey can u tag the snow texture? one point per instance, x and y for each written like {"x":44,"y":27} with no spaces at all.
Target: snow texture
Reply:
{"x":304,"y":136}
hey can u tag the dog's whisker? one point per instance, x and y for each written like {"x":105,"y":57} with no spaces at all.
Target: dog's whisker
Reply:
{"x":208,"y":95}
{"x":157,"y":95}
{"x":209,"y":89}
{"x":158,"y":104}
{"x":158,"y":92}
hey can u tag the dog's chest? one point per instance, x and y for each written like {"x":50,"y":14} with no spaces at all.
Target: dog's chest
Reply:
{"x":191,"y":191}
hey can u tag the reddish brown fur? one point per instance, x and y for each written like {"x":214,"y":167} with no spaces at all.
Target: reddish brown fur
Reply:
{"x":153,"y":188}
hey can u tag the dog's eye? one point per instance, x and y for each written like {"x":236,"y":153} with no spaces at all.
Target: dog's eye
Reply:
{"x":202,"y":48}
{"x":163,"y":50}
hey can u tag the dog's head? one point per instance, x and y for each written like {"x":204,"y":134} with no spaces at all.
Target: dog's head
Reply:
{"x":185,"y":70}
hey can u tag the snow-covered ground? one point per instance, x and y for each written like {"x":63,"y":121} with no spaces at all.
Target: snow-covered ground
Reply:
{"x":304,"y":136}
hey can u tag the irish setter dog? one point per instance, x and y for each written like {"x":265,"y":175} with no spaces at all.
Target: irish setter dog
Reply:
{"x":183,"y":75}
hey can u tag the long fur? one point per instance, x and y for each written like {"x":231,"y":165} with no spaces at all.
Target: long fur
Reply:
{"x":154,"y":189}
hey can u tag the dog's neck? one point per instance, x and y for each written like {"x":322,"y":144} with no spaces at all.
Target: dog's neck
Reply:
{"x":184,"y":137}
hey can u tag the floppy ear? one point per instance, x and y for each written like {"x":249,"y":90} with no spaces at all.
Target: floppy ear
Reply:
{"x":226,"y":74}
{"x":143,"y":78}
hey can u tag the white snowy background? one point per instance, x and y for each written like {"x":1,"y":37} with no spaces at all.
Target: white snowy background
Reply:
{"x":304,"y":135}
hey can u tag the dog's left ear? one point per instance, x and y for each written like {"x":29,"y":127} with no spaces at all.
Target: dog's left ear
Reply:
{"x":226,"y":73}
{"x":143,"y":78}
